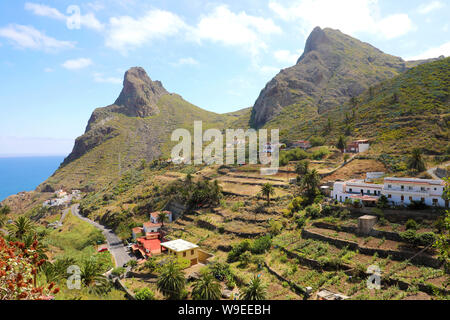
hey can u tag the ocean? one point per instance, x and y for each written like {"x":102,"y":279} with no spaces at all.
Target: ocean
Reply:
{"x":25,"y":173}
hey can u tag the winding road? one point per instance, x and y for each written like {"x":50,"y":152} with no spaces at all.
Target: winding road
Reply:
{"x":115,"y":245}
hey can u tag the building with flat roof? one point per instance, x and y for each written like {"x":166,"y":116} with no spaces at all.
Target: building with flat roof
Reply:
{"x":183,"y":249}
{"x":398,"y":191}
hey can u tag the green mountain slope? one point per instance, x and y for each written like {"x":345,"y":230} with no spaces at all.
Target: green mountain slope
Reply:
{"x":408,"y":111}
{"x":333,"y":68}
{"x":137,"y":127}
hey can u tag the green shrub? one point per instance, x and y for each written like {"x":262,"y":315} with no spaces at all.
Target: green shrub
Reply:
{"x":411,"y":225}
{"x":313,"y":211}
{"x":237,"y":250}
{"x":118,"y":271}
{"x":144,"y":294}
{"x":426,"y":238}
{"x":261,"y":245}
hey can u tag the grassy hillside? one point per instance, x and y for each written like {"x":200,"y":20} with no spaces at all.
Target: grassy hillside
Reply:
{"x":133,"y":139}
{"x":410,"y":110}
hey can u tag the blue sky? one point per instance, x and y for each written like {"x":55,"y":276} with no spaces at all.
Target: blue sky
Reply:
{"x":216,"y":54}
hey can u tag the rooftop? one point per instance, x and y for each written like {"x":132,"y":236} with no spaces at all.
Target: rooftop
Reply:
{"x":414,"y":181}
{"x":179,"y":245}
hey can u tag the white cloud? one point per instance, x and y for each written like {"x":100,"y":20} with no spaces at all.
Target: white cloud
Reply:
{"x":48,"y":70}
{"x":442,"y":50}
{"x":87,"y":20}
{"x":44,"y":11}
{"x":349,"y":16}
{"x":395,"y":26}
{"x":28,"y":37}
{"x":285,"y":56}
{"x":127,"y":33}
{"x":431,"y":6}
{"x":235,"y":29}
{"x":77,"y":64}
{"x":100,"y":78}
{"x":186,"y":61}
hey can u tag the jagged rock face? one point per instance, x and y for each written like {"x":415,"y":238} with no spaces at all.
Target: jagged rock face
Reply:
{"x":139,"y":94}
{"x":138,"y":98}
{"x":333,"y":68}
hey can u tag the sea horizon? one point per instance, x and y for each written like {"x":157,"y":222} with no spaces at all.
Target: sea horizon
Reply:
{"x":25,"y":172}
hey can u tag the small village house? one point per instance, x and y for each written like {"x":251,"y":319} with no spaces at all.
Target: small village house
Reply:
{"x":357,"y":146}
{"x":154,"y":216}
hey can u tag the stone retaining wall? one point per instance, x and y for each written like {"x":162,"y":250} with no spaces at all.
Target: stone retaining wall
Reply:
{"x":421,"y":259}
{"x":394,"y":236}
{"x":295,"y":287}
{"x":120,"y":285}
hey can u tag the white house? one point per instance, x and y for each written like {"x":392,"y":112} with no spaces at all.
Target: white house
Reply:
{"x":399,"y":191}
{"x":154,"y":216}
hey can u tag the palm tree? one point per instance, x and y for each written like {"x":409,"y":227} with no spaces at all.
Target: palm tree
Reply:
{"x":92,"y":277}
{"x":415,"y":161}
{"x":256,"y":290}
{"x":302,"y":167}
{"x":206,"y":288}
{"x":163,"y":217}
{"x":171,"y":282}
{"x":310,"y":182}
{"x":20,"y":227}
{"x":267,"y":190}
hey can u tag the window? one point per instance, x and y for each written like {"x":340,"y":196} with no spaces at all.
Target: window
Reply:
{"x":368,"y":191}
{"x":435,"y":201}
{"x":402,"y":187}
{"x":184,"y":254}
{"x":422,"y":199}
{"x":192,"y":252}
{"x":402,"y":198}
{"x":389,"y":196}
{"x":435,"y":189}
{"x":410,"y":198}
{"x":350,"y":189}
{"x":422,"y":188}
{"x":410,"y":188}
{"x":389,"y":186}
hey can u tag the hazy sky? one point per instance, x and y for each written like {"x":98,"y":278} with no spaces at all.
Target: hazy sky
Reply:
{"x":216,"y":54}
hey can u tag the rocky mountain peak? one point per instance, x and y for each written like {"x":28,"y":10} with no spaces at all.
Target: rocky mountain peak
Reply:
{"x":317,"y":38}
{"x":140,"y":94}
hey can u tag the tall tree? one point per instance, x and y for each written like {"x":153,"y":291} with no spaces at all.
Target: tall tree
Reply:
{"x":302,"y":167}
{"x":256,"y":290}
{"x":416,"y":161}
{"x":171,"y":281}
{"x":310,"y":183}
{"x":206,"y":288}
{"x":20,"y":227}
{"x":341,"y":144}
{"x":267,"y":190}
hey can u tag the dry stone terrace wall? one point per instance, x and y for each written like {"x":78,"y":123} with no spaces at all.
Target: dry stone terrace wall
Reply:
{"x":421,"y":259}
{"x":394,"y":236}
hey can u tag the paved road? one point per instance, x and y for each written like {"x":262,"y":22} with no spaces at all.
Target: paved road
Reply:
{"x":115,"y":245}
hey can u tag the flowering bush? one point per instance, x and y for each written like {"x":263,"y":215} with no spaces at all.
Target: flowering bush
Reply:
{"x":18,"y":269}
